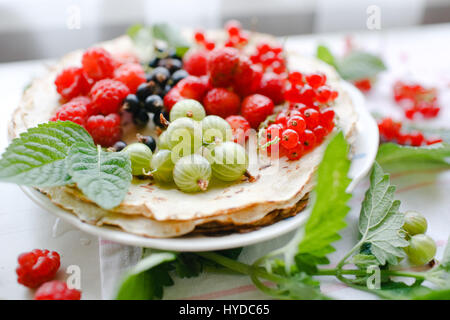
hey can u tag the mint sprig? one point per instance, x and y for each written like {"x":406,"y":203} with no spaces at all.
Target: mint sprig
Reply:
{"x":104,"y":177}
{"x":38,"y":157}
{"x":61,"y":153}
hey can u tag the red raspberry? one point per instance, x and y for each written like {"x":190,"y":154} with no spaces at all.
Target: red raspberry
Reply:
{"x":221,"y":102}
{"x":87,"y":102}
{"x":56,"y":290}
{"x":223,"y":64}
{"x":247,"y":78}
{"x":256,"y":108}
{"x":36,"y":267}
{"x":131,"y":74}
{"x":72,"y":82}
{"x":98,"y":63}
{"x":74,"y":111}
{"x":105,"y":130}
{"x":172,"y":97}
{"x":107,"y":95}
{"x":196,"y":62}
{"x":239,"y":126}
{"x":272,"y":86}
{"x":192,"y":87}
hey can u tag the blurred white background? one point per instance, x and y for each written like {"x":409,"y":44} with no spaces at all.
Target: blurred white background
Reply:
{"x":32,"y":29}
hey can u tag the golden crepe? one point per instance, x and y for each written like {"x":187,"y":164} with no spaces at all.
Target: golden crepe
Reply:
{"x":280,"y":190}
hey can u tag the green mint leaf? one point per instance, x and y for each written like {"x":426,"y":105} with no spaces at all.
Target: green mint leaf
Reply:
{"x":324,"y":54}
{"x":380,"y":221}
{"x":147,"y":279}
{"x":359,"y":65}
{"x":393,"y":157}
{"x":38,"y":156}
{"x":172,"y":36}
{"x":104,"y":177}
{"x":330,"y":205}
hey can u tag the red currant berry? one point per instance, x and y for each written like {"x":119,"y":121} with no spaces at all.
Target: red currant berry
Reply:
{"x":296,"y":152}
{"x":289,"y":138}
{"x":312,"y":118}
{"x":233,"y":27}
{"x":320,"y":133}
{"x":199,"y":36}
{"x":296,"y":123}
{"x":308,"y":139}
{"x":296,"y":78}
{"x":316,"y":80}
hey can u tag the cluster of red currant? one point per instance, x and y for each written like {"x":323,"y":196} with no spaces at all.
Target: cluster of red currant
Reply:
{"x":307,"y":120}
{"x":270,"y":58}
{"x":391,"y":130}
{"x":200,"y":39}
{"x":416,"y":99}
{"x":308,"y":89}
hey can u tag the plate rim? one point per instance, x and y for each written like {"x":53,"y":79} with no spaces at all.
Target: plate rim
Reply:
{"x":234,"y":240}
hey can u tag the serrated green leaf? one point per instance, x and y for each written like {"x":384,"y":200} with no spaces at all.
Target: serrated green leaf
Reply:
{"x":172,"y":36}
{"x":328,"y":213}
{"x":330,"y":205}
{"x":37,"y":156}
{"x":146,"y":280}
{"x":103,"y":177}
{"x":380,"y":221}
{"x":324,"y":54}
{"x":393,"y":157}
{"x":359,"y":65}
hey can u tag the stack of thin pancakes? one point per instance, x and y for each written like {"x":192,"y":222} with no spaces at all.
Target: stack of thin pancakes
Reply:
{"x":280,"y":189}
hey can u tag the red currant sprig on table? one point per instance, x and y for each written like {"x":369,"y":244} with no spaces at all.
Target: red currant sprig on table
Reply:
{"x":391,"y":130}
{"x":416,"y":99}
{"x":270,"y":57}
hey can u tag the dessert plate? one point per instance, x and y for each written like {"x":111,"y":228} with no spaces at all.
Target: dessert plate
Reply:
{"x":364,"y":152}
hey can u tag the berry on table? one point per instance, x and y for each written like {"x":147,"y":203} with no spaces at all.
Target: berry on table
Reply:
{"x":98,"y":63}
{"x":146,"y":89}
{"x":105,"y":130}
{"x":131,"y":74}
{"x":221,"y":102}
{"x":223,"y":63}
{"x":56,"y":290}
{"x":119,"y":145}
{"x":256,"y":108}
{"x":160,"y":75}
{"x":149,"y":141}
{"x":72,"y":82}
{"x":239,"y":127}
{"x":141,"y":118}
{"x":36,"y":267}
{"x":196,"y":62}
{"x":108,"y":95}
{"x":132,"y":103}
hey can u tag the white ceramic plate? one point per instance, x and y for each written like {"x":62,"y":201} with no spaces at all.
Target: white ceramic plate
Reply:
{"x":365,"y":150}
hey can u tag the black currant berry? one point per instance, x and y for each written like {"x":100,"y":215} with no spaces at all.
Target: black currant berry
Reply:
{"x":160,"y":75}
{"x":149,"y":141}
{"x":177,"y":76}
{"x":154,"y":62}
{"x":153,"y":103}
{"x":146,"y":89}
{"x":132,"y":103}
{"x":171,"y":64}
{"x":119,"y":145}
{"x":141,"y":118}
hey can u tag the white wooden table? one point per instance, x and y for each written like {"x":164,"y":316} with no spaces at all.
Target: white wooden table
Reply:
{"x":419,"y":54}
